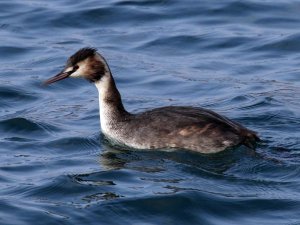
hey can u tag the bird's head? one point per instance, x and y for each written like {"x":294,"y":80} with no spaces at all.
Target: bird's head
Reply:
{"x":86,"y":63}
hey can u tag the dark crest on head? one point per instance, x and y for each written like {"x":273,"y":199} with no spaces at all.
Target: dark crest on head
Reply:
{"x":81,"y":55}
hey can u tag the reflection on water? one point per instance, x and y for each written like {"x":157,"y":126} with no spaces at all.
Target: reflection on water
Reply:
{"x":115,"y":157}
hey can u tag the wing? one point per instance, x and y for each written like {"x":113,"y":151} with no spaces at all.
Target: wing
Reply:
{"x":180,"y":116}
{"x":191,"y":126}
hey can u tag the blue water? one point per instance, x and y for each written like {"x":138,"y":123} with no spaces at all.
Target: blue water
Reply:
{"x":239,"y":58}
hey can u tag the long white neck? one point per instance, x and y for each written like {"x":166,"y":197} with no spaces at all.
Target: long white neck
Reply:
{"x":110,"y":104}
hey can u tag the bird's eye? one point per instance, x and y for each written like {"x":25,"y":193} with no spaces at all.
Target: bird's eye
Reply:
{"x":75,"y":67}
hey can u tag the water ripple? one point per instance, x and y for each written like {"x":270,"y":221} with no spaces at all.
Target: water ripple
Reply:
{"x":239,"y":58}
{"x":24,"y":126}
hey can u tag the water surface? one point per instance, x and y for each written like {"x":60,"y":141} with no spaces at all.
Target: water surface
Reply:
{"x":239,"y":58}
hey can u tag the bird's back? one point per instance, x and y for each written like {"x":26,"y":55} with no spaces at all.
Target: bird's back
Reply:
{"x":191,"y":128}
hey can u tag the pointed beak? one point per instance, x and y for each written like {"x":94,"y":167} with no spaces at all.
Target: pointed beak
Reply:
{"x":60,"y":76}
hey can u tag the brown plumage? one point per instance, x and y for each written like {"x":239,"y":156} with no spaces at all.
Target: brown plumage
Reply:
{"x":191,"y":128}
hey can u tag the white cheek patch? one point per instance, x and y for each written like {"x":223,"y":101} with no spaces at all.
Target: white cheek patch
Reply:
{"x":74,"y":74}
{"x":77,"y":73}
{"x":81,"y":71}
{"x":68,"y":69}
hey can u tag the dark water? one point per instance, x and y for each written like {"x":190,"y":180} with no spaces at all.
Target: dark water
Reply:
{"x":239,"y":58}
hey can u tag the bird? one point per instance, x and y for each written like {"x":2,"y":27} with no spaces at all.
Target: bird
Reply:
{"x":170,"y":127}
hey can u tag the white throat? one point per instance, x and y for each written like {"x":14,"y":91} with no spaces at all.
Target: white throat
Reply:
{"x":105,"y":109}
{"x":103,"y":86}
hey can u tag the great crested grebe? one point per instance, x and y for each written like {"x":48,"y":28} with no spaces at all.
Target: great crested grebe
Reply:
{"x":180,"y":127}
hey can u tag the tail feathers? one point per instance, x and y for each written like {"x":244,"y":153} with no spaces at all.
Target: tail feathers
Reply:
{"x":250,"y":139}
